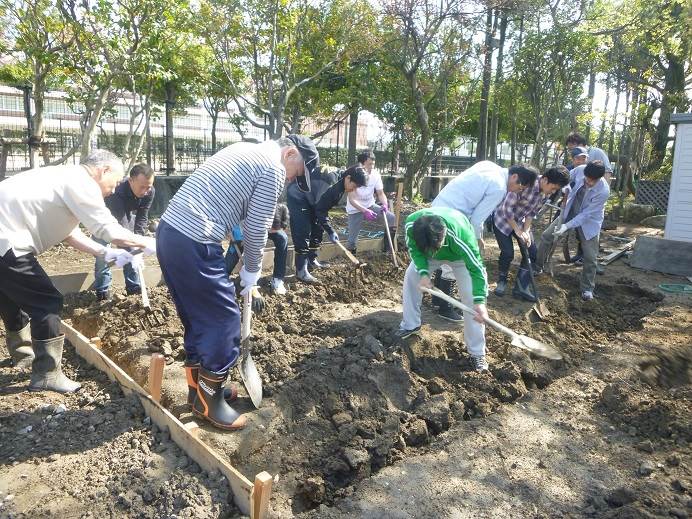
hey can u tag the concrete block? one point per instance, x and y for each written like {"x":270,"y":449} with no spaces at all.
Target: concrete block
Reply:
{"x":661,"y":255}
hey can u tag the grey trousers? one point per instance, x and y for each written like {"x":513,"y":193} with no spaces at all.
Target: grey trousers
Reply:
{"x":355,"y":222}
{"x":589,"y":249}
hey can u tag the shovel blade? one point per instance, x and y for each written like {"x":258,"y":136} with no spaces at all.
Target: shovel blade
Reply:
{"x":537,"y":347}
{"x":251,"y":377}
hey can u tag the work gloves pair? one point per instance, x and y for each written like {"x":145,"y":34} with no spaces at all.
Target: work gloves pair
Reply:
{"x":371,"y":216}
{"x":121,"y":257}
{"x":248,"y":280}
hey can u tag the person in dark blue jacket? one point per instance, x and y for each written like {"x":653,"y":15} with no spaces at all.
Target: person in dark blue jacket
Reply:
{"x":310,"y":214}
{"x":129,"y":204}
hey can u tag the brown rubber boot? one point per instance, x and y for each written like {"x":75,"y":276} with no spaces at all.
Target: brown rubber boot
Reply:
{"x":210,"y":404}
{"x":46,"y":373}
{"x":230,"y":394}
{"x":19,"y":346}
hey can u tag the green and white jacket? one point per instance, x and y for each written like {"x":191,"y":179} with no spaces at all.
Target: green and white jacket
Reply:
{"x":460,"y":244}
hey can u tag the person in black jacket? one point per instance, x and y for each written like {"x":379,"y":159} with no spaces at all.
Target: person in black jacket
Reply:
{"x":310,"y":214}
{"x":129,"y":204}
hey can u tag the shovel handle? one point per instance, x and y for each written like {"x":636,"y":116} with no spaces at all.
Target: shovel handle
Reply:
{"x":389,"y":238}
{"x":143,"y":286}
{"x":348,"y":253}
{"x":247,"y":317}
{"x":438,"y":293}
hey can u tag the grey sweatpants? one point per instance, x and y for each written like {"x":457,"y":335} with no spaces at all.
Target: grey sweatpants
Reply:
{"x":589,"y":249}
{"x":355,"y":222}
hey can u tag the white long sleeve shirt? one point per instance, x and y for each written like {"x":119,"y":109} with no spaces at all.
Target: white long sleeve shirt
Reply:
{"x":475,"y":193}
{"x":39,"y":208}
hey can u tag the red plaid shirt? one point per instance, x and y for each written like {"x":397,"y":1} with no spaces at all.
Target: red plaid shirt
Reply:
{"x":518,"y":206}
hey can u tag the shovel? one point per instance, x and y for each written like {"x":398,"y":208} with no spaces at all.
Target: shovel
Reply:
{"x":248,"y":370}
{"x":539,"y":308}
{"x":358,"y":272}
{"x":520,"y":341}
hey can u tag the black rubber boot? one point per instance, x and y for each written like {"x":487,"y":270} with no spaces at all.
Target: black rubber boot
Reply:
{"x":392,"y":235}
{"x":230,"y":394}
{"x":302,"y":272}
{"x":447,"y":311}
{"x":437,"y":277}
{"x":314,"y":263}
{"x":104,"y":295}
{"x":19,"y":346}
{"x":501,"y":287}
{"x":210,"y":404}
{"x":46,"y":373}
{"x":522,"y":286}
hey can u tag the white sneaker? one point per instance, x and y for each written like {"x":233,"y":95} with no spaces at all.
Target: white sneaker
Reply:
{"x":278,"y":287}
{"x":587,"y":295}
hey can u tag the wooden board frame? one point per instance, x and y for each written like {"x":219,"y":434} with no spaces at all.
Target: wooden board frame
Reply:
{"x":251,"y":498}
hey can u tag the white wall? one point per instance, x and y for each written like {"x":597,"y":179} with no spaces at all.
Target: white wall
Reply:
{"x":679,"y":218}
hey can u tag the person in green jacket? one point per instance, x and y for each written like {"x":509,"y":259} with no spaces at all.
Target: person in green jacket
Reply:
{"x":438,"y":236}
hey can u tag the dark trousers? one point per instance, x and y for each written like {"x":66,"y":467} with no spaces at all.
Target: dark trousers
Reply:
{"x":305,"y":231}
{"x":506,"y":244}
{"x":204,"y":298}
{"x":280,"y":240}
{"x":26,"y":292}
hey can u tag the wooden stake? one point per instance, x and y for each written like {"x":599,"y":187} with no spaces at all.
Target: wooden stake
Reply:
{"x":397,"y":210}
{"x":261,"y":494}
{"x":156,"y":375}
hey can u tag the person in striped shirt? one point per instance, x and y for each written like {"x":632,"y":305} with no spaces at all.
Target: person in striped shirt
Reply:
{"x":442,"y":236}
{"x":513,"y":219}
{"x":238,"y":185}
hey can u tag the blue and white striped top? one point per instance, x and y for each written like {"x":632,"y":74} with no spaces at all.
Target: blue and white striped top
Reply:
{"x":238,"y":185}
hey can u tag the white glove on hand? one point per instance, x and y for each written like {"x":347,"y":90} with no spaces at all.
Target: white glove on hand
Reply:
{"x":119,"y":256}
{"x":248,"y":280}
{"x":149,"y":245}
{"x":137,"y":261}
{"x":562,"y":230}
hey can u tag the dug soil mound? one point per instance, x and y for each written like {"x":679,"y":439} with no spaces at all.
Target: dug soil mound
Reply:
{"x":343,"y":399}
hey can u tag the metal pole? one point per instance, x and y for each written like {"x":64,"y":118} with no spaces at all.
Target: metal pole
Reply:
{"x":338,"y":127}
{"x":170,"y":147}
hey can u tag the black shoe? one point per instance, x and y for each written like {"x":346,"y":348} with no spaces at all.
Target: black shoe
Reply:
{"x":134,"y":291}
{"x":210,"y":404}
{"x":104,"y":295}
{"x":501,"y":287}
{"x":577,"y":260}
{"x":405,"y":334}
{"x":450,"y":314}
{"x":522,"y":286}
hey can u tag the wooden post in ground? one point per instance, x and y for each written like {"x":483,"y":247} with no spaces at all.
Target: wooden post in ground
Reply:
{"x":397,"y":210}
{"x":156,"y":375}
{"x":261,"y":494}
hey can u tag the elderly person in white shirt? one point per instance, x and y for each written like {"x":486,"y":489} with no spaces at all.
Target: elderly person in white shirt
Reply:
{"x":360,"y":204}
{"x":476,"y":193}
{"x":40,"y":208}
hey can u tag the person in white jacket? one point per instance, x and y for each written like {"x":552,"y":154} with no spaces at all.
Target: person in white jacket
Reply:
{"x":40,"y":208}
{"x":476,"y":193}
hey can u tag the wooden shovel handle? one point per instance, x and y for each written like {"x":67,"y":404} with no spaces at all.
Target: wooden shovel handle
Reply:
{"x":246,"y":318}
{"x":348,"y":253}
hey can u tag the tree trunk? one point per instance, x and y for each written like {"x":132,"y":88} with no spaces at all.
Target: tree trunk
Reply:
{"x":214,"y":120}
{"x":514,"y":111}
{"x":94,"y":116}
{"x":352,"y":135}
{"x":673,"y":97}
{"x":495,"y":121}
{"x":485,"y":92}
{"x":170,"y":142}
{"x":147,"y":115}
{"x":591,"y":93}
{"x":601,"y":134}
{"x":611,"y":140}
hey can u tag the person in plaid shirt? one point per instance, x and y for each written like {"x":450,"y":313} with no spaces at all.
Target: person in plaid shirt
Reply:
{"x":513,"y":218}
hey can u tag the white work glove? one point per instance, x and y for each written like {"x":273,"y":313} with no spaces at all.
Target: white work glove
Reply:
{"x":137,"y":261}
{"x":562,"y":230}
{"x":333,"y":237}
{"x":248,"y":280}
{"x":119,"y":256}
{"x":149,"y":245}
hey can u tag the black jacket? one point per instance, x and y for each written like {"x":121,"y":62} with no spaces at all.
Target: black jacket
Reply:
{"x":329,"y":199}
{"x":130,"y":211}
{"x":319,"y":183}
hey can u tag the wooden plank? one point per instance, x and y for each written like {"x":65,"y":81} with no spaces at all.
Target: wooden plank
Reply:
{"x":156,"y":364}
{"x":615,"y":255}
{"x":397,"y":210}
{"x":260,"y":495}
{"x":195,"y":448}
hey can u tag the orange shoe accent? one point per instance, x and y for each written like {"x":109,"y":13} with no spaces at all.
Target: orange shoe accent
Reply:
{"x":190,"y":378}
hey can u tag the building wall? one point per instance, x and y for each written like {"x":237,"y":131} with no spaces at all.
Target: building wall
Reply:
{"x":679,"y":216}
